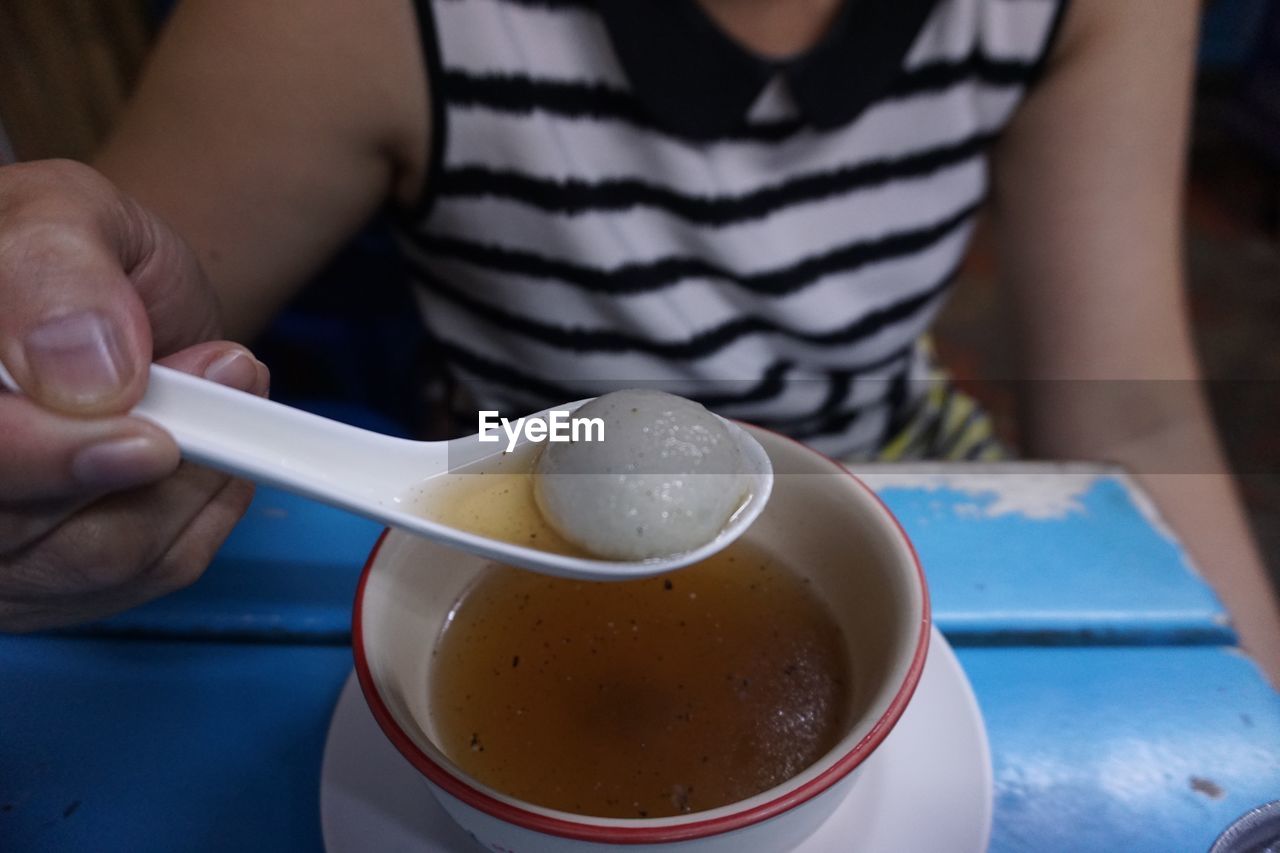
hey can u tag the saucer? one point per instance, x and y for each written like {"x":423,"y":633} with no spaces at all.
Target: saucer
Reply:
{"x":927,"y":788}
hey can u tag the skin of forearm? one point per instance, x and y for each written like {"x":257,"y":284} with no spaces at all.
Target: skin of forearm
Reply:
{"x":265,"y":134}
{"x":1161,"y":432}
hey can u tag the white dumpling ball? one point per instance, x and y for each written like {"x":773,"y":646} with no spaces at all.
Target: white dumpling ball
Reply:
{"x":666,"y":478}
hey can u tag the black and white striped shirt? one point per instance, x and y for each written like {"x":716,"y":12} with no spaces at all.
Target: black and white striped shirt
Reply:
{"x":780,"y":263}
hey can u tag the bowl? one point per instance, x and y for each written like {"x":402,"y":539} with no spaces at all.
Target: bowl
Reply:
{"x":828,"y":526}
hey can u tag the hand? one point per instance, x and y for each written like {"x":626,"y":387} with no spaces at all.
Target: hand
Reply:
{"x":97,"y":514}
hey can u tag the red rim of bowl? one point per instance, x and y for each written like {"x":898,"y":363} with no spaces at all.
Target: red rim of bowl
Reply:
{"x":612,"y":834}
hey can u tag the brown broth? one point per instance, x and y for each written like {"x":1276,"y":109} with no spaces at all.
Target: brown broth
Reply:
{"x":643,"y":698}
{"x":495,"y":499}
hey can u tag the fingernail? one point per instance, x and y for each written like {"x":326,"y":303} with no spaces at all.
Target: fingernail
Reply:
{"x":77,"y":358}
{"x":118,"y":463}
{"x":236,"y":369}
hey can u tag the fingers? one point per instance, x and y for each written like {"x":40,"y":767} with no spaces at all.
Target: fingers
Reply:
{"x":77,"y":354}
{"x":225,"y":363}
{"x":195,"y":546}
{"x":118,"y":540}
{"x":73,"y":332}
{"x":53,"y":465}
{"x":82,"y":269}
{"x":50,"y":456}
{"x":198,"y":508}
{"x":96,"y":511}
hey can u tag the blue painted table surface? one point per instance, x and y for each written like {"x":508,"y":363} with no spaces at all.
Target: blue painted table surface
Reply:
{"x":1015,"y":553}
{"x":1120,"y":716}
{"x":126,"y":745}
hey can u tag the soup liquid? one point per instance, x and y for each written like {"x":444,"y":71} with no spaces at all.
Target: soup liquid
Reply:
{"x":644,"y":698}
{"x":495,"y":499}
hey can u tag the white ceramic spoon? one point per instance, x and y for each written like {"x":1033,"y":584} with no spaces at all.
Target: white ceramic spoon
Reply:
{"x":373,"y":474}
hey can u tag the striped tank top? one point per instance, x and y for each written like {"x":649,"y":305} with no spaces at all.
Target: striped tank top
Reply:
{"x":621,"y":196}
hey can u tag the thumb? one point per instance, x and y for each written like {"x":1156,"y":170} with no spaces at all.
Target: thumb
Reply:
{"x":75,"y":326}
{"x":80,"y":362}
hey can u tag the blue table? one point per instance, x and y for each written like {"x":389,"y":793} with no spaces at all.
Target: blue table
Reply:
{"x":1119,"y":713}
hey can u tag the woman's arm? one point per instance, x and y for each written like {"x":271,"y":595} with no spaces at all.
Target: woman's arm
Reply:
{"x":263,"y":133}
{"x":1088,"y":207}
{"x":266,"y":133}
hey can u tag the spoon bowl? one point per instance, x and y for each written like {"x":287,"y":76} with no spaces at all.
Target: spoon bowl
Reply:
{"x":374,"y":475}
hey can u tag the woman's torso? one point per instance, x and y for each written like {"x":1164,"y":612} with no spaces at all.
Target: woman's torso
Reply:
{"x":596,"y":220}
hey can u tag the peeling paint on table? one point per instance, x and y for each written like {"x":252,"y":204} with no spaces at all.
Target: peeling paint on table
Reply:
{"x":1029,"y":552}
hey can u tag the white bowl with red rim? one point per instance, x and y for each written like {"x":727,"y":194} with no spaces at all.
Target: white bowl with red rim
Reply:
{"x":827,"y":525}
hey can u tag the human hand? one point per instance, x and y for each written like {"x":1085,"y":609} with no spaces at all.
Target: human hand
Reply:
{"x":97,"y":513}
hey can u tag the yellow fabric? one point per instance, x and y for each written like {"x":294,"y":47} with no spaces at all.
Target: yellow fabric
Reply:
{"x":948,"y":424}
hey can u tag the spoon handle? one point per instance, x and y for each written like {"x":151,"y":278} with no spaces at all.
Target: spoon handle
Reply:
{"x":274,"y":444}
{"x":372,"y":474}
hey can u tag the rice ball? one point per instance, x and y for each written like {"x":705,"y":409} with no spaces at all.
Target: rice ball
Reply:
{"x":666,"y":478}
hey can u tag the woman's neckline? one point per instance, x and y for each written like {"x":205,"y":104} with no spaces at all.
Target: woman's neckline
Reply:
{"x":699,"y":15}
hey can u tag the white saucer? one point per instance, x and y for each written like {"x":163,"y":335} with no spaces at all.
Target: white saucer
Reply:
{"x":928,"y":787}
